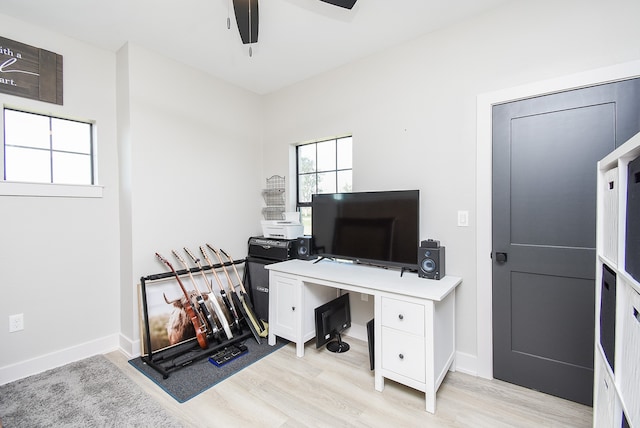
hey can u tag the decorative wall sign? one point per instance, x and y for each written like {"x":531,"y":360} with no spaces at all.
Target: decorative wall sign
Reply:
{"x":30,"y":72}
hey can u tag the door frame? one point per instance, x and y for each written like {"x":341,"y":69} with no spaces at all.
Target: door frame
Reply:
{"x":484,"y":105}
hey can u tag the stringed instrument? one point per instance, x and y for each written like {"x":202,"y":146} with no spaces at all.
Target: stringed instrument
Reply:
{"x":199,"y":300}
{"x":251,"y":322}
{"x":223,"y":294}
{"x":213,"y":302}
{"x":199,"y":327}
{"x":246,"y":302}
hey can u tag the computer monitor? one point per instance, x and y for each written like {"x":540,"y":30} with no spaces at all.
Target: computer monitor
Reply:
{"x":332,"y":319}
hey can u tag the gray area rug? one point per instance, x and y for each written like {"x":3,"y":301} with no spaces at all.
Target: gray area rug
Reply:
{"x":197,"y":377}
{"x":88,"y":393}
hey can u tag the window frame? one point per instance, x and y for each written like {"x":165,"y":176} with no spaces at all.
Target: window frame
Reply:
{"x":18,"y":188}
{"x":300,"y":205}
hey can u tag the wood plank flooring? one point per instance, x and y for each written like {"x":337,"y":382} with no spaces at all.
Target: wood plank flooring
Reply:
{"x":336,"y":390}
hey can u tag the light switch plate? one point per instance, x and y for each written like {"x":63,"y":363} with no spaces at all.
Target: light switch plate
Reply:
{"x":463,"y":218}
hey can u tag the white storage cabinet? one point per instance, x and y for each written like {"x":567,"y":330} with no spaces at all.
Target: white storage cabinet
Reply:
{"x":617,"y":338}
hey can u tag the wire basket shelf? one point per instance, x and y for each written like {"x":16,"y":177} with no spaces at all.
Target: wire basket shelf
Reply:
{"x":273,"y":196}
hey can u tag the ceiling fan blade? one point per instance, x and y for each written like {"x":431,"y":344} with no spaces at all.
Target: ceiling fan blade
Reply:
{"x":243,"y":9}
{"x":347,"y":4}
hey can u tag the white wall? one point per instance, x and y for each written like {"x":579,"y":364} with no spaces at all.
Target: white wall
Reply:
{"x":59,"y":256}
{"x":192,"y":147}
{"x":412,"y":112}
{"x":180,"y":160}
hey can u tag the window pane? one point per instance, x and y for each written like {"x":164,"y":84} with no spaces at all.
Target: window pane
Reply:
{"x":306,"y":158}
{"x":327,"y":155}
{"x":305,"y":216}
{"x":344,"y":153}
{"x":70,"y":168}
{"x":327,"y":182}
{"x":306,"y":187}
{"x":344,"y":181}
{"x":323,"y":167}
{"x":29,"y":165}
{"x":26,"y":129}
{"x":35,"y":142}
{"x":71,"y":136}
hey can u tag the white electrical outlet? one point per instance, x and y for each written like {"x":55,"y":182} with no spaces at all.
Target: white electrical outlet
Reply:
{"x":16,"y":322}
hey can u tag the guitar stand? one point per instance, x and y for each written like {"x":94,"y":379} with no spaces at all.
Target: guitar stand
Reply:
{"x":183,"y":354}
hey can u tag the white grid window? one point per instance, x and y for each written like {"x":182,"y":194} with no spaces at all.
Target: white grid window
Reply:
{"x":46,"y":149}
{"x":322,"y":167}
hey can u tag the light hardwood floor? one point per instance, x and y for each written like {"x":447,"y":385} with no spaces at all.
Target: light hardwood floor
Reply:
{"x":324,"y":389}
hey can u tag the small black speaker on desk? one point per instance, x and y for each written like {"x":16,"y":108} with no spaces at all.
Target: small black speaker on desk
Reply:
{"x":431,"y":260}
{"x":303,"y":248}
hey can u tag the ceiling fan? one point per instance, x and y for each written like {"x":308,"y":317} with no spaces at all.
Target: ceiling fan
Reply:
{"x":247,"y":17}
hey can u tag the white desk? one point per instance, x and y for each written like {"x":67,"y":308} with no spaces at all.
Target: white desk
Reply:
{"x":414,"y":327}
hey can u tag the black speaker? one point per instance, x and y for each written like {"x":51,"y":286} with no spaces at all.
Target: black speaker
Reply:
{"x":431,"y":260}
{"x":257,"y":280}
{"x":303,"y":248}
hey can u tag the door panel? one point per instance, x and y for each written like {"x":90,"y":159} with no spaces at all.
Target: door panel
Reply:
{"x":545,"y":151}
{"x":552,"y":333}
{"x":552,"y":180}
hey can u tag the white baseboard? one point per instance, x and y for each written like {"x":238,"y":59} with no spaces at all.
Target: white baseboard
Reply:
{"x":466,"y":363}
{"x":130,"y":348}
{"x":52,"y":360}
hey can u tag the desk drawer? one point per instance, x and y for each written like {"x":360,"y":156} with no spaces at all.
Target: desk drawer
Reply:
{"x":403,"y":316}
{"x":404,"y":354}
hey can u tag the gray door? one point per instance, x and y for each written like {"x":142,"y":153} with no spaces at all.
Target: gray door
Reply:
{"x":545,"y":151}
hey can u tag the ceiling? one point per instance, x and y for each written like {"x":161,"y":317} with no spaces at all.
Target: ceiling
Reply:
{"x":297,"y":38}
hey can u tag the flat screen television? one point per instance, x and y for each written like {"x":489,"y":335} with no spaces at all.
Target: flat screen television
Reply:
{"x":332,"y":319}
{"x":379,"y":228}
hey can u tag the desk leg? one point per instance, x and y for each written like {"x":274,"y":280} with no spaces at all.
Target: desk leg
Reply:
{"x":271,"y":339}
{"x":377,"y":348}
{"x":300,"y":348}
{"x":379,"y":382}
{"x":430,"y":400}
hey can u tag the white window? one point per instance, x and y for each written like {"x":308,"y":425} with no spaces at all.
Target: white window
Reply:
{"x":322,"y":167}
{"x":46,"y":149}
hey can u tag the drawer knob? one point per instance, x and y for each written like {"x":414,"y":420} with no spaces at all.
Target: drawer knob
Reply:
{"x":401,"y":356}
{"x":400,"y":317}
{"x":293,"y":308}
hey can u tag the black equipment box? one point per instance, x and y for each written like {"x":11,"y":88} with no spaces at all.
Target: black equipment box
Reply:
{"x":264,"y":251}
{"x":271,"y":249}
